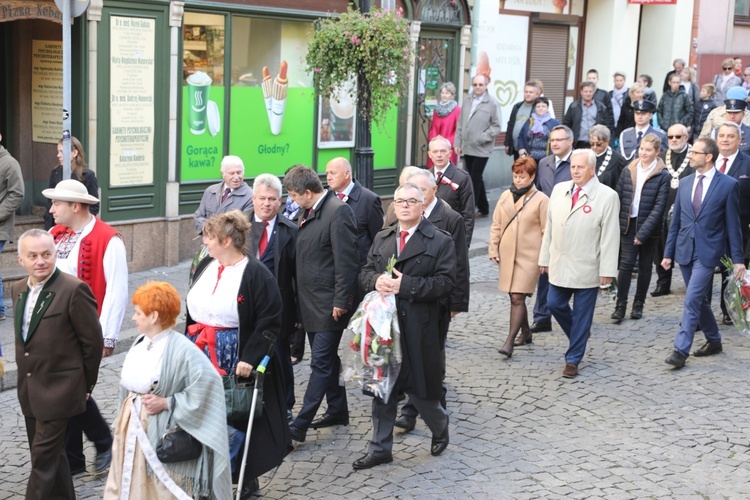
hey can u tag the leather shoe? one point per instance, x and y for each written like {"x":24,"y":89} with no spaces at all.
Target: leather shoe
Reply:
{"x":660,"y":292}
{"x":406,"y":423}
{"x":708,"y":349}
{"x":250,"y":487}
{"x":330,"y":420}
{"x":637,"y":312}
{"x":439,"y":444}
{"x":570,"y":370}
{"x":103,"y":460}
{"x":676,"y":359}
{"x":541,"y":327}
{"x":368,"y":462}
{"x":727,"y":320}
{"x":297,"y":433}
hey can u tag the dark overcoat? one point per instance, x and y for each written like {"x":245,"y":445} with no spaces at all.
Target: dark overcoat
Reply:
{"x":456,"y":189}
{"x":368,"y":215}
{"x":427,"y":264}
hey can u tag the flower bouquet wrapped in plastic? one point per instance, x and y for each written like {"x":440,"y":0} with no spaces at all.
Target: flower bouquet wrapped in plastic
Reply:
{"x":737,"y":298}
{"x":371,"y":351}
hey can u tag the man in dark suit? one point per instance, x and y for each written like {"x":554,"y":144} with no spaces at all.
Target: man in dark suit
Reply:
{"x":630,"y":138}
{"x":366,"y":205}
{"x":454,"y":185}
{"x":273,"y":239}
{"x":327,"y":269}
{"x":446,"y":219}
{"x":734,"y":163}
{"x":59,"y":347}
{"x":585,"y":112}
{"x":552,"y":170}
{"x":423,"y":277}
{"x":677,"y":166}
{"x":705,"y":226}
{"x":609,"y":163}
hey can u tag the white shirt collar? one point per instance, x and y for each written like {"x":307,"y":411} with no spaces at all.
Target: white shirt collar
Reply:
{"x":428,"y":208}
{"x":347,"y":190}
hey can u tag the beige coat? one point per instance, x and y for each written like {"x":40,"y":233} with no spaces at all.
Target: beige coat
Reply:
{"x":518,"y":247}
{"x":581,"y":245}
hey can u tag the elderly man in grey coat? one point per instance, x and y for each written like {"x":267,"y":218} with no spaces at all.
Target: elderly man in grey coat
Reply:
{"x":11,"y":196}
{"x":229,"y":194}
{"x":478,"y":126}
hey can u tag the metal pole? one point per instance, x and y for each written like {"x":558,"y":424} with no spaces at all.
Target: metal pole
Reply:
{"x":67,"y":67}
{"x":364,"y":154}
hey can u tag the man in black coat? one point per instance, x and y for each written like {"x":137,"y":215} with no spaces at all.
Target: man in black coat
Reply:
{"x":366,"y":205}
{"x":327,"y":269}
{"x":424,"y":276}
{"x":273,"y":239}
{"x":734,"y":163}
{"x":584,"y":113}
{"x":600,"y":95}
{"x":609,"y":163}
{"x":677,"y":165}
{"x":518,"y":115}
{"x":454,"y":184}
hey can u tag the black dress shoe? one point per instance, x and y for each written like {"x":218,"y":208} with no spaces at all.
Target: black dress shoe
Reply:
{"x":439,"y":444}
{"x":251,"y":486}
{"x":676,"y":359}
{"x":660,"y":292}
{"x":637,"y":312}
{"x":406,"y":423}
{"x":368,"y":462}
{"x":541,"y":327}
{"x":708,"y":349}
{"x":727,"y":320}
{"x":297,"y":433}
{"x":620,"y":310}
{"x":330,"y":420}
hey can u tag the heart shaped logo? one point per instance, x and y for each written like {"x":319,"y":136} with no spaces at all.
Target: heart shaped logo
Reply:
{"x":506,"y":92}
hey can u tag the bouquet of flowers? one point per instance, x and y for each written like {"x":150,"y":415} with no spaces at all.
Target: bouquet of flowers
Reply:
{"x":608,"y":293}
{"x":371,"y":351}
{"x":737,"y":298}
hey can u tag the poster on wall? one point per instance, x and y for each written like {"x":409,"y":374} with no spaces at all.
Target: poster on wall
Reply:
{"x":574,"y":7}
{"x":337,"y":118}
{"x":46,"y":91}
{"x":131,"y":148}
{"x":502,"y":60}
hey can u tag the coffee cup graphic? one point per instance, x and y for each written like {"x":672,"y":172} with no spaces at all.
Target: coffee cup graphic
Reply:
{"x":198,"y":85}
{"x":342,"y":114}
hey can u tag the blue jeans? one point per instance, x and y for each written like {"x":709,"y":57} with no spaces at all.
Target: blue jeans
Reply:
{"x":699,"y":280}
{"x":575,"y":321}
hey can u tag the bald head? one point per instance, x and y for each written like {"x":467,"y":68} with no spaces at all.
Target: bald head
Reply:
{"x":338,"y":174}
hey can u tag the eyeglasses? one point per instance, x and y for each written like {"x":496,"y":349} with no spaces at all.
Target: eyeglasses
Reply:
{"x":670,"y":137}
{"x":745,"y":74}
{"x":400,"y":202}
{"x":694,"y":152}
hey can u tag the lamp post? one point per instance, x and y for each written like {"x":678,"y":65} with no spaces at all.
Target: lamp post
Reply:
{"x":364,"y":154}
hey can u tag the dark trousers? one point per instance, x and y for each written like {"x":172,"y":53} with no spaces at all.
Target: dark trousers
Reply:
{"x":697,"y":308}
{"x":324,"y":379}
{"x":475,"y":166}
{"x":575,"y":321}
{"x":541,"y":311}
{"x":283,"y":354}
{"x":629,"y":253}
{"x":297,"y":343}
{"x":96,"y":429}
{"x":50,"y":473}
{"x":663,"y":276}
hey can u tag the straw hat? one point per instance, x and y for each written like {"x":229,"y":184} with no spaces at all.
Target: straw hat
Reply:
{"x":70,"y":190}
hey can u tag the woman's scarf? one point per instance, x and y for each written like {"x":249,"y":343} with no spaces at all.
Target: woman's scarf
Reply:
{"x":617,"y":98}
{"x":518,"y":193}
{"x":537,"y":122}
{"x":443,"y":109}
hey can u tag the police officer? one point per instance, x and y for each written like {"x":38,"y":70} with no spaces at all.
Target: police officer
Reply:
{"x":630,"y":138}
{"x":735,"y":114}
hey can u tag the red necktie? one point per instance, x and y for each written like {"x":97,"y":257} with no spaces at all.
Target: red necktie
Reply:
{"x":226,"y":193}
{"x":218,"y":277}
{"x":439,"y":177}
{"x":723,"y":168}
{"x":263,"y":240}
{"x":576,"y":193}
{"x":341,"y":196}
{"x":402,"y":243}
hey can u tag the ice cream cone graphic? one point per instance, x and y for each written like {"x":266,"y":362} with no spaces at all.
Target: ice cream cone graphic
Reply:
{"x":502,"y":4}
{"x":278,"y":102}
{"x":559,"y":5}
{"x":267,"y":91}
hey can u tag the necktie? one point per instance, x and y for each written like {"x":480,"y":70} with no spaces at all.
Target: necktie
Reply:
{"x":226,"y":193}
{"x":402,"y":243}
{"x":341,"y":196}
{"x":698,"y":195}
{"x":723,"y":168}
{"x":439,"y":177}
{"x":263,"y":243}
{"x":640,"y":136}
{"x":576,"y":193}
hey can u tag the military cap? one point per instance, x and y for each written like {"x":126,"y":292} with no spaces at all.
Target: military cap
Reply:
{"x":644,"y":106}
{"x":735,"y":105}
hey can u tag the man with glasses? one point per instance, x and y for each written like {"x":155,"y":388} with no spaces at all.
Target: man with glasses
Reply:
{"x":609,"y":163}
{"x":454,"y":185}
{"x":552,"y":170}
{"x":630,"y":138}
{"x":678,"y":166}
{"x":478,"y":126}
{"x":705,"y":226}
{"x":424,"y":276}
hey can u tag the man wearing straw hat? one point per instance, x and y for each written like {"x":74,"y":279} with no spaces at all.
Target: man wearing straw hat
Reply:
{"x":95,"y":253}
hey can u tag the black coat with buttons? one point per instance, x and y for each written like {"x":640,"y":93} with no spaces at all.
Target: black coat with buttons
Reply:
{"x":428,"y":266}
{"x":653,"y":202}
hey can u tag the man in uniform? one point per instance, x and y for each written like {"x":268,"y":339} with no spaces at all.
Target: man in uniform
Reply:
{"x":630,"y":138}
{"x":735,"y":114}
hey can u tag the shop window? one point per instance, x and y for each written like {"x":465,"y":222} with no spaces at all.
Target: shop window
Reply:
{"x":742,"y":11}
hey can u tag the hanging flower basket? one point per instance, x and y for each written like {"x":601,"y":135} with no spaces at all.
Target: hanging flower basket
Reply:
{"x":374,"y":48}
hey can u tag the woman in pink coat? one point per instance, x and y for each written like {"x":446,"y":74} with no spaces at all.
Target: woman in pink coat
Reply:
{"x":515,"y":240}
{"x":445,"y":118}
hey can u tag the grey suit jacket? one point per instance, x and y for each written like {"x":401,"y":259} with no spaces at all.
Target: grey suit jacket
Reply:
{"x":239,"y":199}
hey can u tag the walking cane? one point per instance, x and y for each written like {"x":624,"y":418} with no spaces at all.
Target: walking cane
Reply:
{"x":259,"y":374}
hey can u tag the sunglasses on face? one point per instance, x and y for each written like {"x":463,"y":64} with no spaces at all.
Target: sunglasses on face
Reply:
{"x":727,"y":68}
{"x":675,"y":136}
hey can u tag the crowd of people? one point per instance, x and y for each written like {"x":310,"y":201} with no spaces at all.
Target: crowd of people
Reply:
{"x":590,"y":202}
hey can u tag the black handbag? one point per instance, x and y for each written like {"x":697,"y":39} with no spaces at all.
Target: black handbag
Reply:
{"x":239,"y":398}
{"x":176,"y":445}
